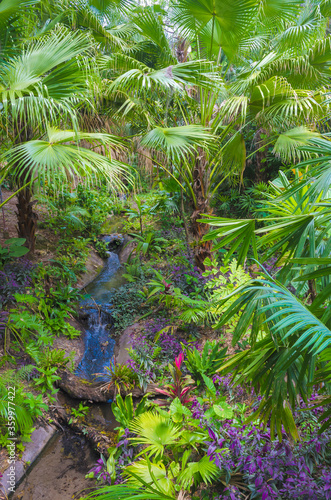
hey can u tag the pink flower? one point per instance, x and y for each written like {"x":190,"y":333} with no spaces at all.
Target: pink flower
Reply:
{"x":179,"y":360}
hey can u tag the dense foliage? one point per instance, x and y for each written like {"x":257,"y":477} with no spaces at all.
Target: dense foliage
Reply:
{"x":200,"y":131}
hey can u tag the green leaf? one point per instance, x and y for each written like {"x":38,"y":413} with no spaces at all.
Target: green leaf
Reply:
{"x":209,"y":384}
{"x":223,"y":410}
{"x":18,"y":251}
{"x":15,"y":241}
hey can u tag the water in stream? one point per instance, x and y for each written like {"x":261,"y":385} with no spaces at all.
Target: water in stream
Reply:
{"x":59,"y":472}
{"x":99,"y":345}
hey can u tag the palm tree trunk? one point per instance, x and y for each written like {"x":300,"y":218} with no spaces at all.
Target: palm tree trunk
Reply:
{"x":202,"y":248}
{"x":182,"y":212}
{"x":261,"y":174}
{"x":183,"y":495}
{"x":26,"y":218}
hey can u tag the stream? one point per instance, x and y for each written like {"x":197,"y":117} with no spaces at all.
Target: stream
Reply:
{"x":59,"y":472}
{"x":99,"y":345}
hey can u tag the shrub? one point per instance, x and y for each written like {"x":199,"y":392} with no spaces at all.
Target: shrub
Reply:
{"x":73,"y":254}
{"x":15,"y":277}
{"x":127,"y":303}
{"x":188,"y":277}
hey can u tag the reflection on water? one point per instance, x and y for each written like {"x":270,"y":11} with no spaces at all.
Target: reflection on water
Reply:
{"x":110,"y":277}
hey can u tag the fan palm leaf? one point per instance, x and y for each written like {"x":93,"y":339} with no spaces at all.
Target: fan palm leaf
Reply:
{"x":318,"y":176}
{"x":151,"y":473}
{"x":296,"y":226}
{"x":126,"y":492}
{"x":10,"y":8}
{"x":150,"y":26}
{"x":204,"y":470}
{"x":155,"y":431}
{"x":35,"y":83}
{"x":140,"y":77}
{"x":290,"y":145}
{"x":233,"y":17}
{"x":177,"y":141}
{"x":57,"y":160}
{"x":278,"y":10}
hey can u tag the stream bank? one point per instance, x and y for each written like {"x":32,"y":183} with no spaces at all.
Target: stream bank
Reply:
{"x":57,"y":470}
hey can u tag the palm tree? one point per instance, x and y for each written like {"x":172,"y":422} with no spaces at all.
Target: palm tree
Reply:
{"x":289,"y":333}
{"x":56,"y":160}
{"x":252,"y":82}
{"x":40,"y":87}
{"x":286,"y":339}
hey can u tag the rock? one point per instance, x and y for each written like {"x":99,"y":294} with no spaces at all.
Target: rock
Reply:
{"x":93,"y":266}
{"x":123,"y":343}
{"x":114,"y":241}
{"x":39,"y":439}
{"x":101,"y":440}
{"x":128,"y":245}
{"x":94,"y":391}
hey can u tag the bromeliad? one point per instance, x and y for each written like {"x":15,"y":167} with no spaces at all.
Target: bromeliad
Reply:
{"x":181,"y":386}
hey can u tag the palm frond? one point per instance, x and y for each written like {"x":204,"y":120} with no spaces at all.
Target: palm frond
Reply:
{"x":235,"y":231}
{"x":317,"y":178}
{"x":271,"y":11}
{"x":58,"y":161}
{"x":151,"y":27}
{"x":155,"y":431}
{"x":177,"y":141}
{"x":126,"y":492}
{"x":10,"y":8}
{"x":289,"y":144}
{"x":282,"y":363}
{"x":232,"y":16}
{"x":39,"y":82}
{"x":300,"y":34}
{"x":151,"y":473}
{"x":140,"y":77}
{"x":204,"y":470}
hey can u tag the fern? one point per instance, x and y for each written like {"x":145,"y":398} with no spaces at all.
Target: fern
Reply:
{"x":24,"y":373}
{"x":23,"y":419}
{"x":204,"y":470}
{"x":223,"y":282}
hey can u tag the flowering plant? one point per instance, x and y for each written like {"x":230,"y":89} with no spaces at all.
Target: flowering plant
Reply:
{"x":181,"y":386}
{"x":272,"y":469}
{"x":110,"y":471}
{"x":15,"y":277}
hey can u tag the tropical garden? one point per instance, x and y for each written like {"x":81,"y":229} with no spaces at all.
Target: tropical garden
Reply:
{"x":165,"y":250}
